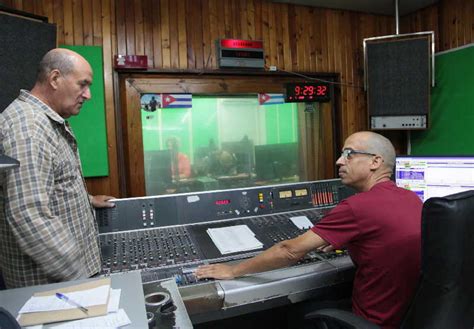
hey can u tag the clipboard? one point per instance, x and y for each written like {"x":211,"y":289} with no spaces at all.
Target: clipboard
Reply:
{"x":29,"y":319}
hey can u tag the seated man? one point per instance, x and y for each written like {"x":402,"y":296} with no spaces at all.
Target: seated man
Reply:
{"x":380,"y":227}
{"x":180,"y":164}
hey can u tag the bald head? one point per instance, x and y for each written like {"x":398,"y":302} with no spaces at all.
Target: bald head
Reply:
{"x":371,"y":161}
{"x":375,"y":143}
{"x":60,"y":59}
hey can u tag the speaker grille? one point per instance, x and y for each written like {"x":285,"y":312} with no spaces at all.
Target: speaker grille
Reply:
{"x":23,"y":44}
{"x":398,"y":76}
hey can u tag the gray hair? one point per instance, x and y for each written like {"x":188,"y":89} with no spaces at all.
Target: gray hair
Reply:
{"x":54,"y":59}
{"x":381,"y":145}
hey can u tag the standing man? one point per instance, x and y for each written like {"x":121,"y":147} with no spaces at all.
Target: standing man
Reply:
{"x":380,"y":226}
{"x":47,"y":228}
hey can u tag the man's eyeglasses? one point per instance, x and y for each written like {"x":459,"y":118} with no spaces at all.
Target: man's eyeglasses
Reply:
{"x":347,"y":153}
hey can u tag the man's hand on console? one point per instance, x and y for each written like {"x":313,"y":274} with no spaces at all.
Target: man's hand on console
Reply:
{"x":215,"y":271}
{"x":326,"y":248}
{"x":102,"y":201}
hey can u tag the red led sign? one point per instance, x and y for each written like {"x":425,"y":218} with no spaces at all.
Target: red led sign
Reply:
{"x":131,"y":61}
{"x":222,"y":202}
{"x":240,"y":53}
{"x":239,"y":44}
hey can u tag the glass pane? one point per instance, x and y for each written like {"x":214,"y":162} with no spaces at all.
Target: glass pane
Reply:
{"x":220,"y":142}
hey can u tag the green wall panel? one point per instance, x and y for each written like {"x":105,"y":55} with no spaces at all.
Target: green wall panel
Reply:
{"x":452,"y":107}
{"x":175,"y":123}
{"x":197,"y":126}
{"x":281,"y":123}
{"x":89,"y":126}
{"x":204,"y":121}
{"x":150,"y":131}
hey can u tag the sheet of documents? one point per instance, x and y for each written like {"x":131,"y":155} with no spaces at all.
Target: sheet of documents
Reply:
{"x":111,"y":320}
{"x":114,"y":300}
{"x":234,"y":239}
{"x":86,"y":298}
{"x":112,"y":307}
{"x":302,"y":222}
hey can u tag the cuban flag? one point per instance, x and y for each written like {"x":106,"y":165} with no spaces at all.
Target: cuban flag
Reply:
{"x":176,"y":100}
{"x":271,"y":99}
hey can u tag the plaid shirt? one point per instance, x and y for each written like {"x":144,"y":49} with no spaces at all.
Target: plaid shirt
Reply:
{"x":48,"y":231}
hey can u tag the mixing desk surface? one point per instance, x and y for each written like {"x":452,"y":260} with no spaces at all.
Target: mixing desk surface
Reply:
{"x":168,"y":237}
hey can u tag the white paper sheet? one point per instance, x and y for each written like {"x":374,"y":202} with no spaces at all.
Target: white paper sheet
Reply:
{"x":302,"y":222}
{"x":114,"y":300}
{"x":234,"y":239}
{"x":111,"y":320}
{"x":86,"y":298}
{"x":112,"y":307}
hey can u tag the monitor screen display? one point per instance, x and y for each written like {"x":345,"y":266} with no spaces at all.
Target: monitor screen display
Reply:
{"x":158,"y":173}
{"x":435,"y":176}
{"x":276,"y":161}
{"x":242,"y":153}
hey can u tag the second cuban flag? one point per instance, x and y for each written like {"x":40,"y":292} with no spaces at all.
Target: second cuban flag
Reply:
{"x":270,"y":99}
{"x":176,"y":100}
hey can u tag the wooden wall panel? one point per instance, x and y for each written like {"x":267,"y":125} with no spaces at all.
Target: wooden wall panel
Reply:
{"x":424,"y":20}
{"x":180,"y":34}
{"x":452,"y":22}
{"x":96,"y":23}
{"x":139,"y":26}
{"x":206,"y":35}
{"x":156,"y":51}
{"x":271,"y":48}
{"x":196,"y":41}
{"x":67,"y":37}
{"x":120,"y":14}
{"x":182,"y":41}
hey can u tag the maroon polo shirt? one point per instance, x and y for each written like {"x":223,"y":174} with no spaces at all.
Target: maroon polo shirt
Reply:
{"x":381,"y":230}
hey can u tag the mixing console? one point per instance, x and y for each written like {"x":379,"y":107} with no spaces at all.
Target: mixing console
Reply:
{"x":179,"y":245}
{"x":181,"y":209}
{"x":167,"y":237}
{"x":133,"y":250}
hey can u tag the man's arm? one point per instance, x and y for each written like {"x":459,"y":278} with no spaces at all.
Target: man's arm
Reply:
{"x":184,"y":166}
{"x":280,"y":255}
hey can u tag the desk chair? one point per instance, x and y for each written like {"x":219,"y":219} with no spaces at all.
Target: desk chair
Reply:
{"x":445,"y":294}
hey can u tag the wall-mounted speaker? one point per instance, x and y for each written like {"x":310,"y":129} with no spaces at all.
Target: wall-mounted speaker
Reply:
{"x":398,"y":82}
{"x":24,"y":41}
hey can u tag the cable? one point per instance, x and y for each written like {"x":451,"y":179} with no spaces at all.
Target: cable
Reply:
{"x":318,"y":79}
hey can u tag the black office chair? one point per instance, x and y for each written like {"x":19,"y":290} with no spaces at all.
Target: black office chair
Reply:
{"x":445,"y":294}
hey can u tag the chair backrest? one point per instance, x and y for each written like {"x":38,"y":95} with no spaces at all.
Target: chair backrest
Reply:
{"x":445,"y":294}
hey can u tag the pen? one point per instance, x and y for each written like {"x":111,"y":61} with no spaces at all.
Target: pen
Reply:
{"x":71,"y":302}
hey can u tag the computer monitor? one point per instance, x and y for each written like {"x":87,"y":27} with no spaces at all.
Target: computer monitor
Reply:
{"x":276,"y":161}
{"x":243,"y":153}
{"x":434,"y":176}
{"x":158,"y":174}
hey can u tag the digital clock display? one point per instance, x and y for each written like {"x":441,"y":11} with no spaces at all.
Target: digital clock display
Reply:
{"x":222,"y":202}
{"x":307,"y":92}
{"x":242,"y":54}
